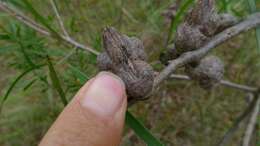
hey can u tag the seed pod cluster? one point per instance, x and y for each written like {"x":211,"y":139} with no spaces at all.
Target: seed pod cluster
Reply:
{"x":125,"y":57}
{"x":208,"y":72}
{"x":199,"y":26}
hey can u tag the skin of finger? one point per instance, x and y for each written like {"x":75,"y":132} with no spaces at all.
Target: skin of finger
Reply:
{"x":78,"y":126}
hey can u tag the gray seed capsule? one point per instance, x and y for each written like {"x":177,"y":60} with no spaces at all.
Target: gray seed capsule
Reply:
{"x":208,"y":72}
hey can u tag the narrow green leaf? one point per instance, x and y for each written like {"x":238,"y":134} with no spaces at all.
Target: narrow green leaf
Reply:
{"x":253,"y":9}
{"x":4,"y":37}
{"x":16,"y":3}
{"x":29,"y":84}
{"x":26,"y":56}
{"x":80,"y":75}
{"x":8,"y":48}
{"x":177,"y":18}
{"x":224,"y":5}
{"x":39,"y":17}
{"x":141,"y":131}
{"x":56,"y":82}
{"x":16,"y":81}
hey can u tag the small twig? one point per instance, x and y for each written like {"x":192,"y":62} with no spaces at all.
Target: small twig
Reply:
{"x":22,"y":18}
{"x":239,"y":86}
{"x":55,"y":9}
{"x":67,"y":56}
{"x":238,"y":123}
{"x":39,"y":28}
{"x":251,"y":124}
{"x":79,"y":45}
{"x":251,"y":22}
{"x":222,"y":82}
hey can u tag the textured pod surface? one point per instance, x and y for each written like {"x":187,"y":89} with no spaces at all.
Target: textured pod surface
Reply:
{"x":140,"y":83}
{"x":199,"y":26}
{"x":136,"y":48}
{"x":189,"y":38}
{"x":104,"y":62}
{"x":125,"y":57}
{"x":208,"y":72}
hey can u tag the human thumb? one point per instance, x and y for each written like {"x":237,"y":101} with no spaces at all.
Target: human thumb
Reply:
{"x":95,"y":116}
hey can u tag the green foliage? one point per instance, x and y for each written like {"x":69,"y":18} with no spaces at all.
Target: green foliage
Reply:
{"x":39,"y":17}
{"x":56,"y":82}
{"x":15,"y":82}
{"x":29,"y":48}
{"x":141,"y":131}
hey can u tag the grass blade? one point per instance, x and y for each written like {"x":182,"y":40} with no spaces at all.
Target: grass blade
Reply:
{"x":224,"y":5}
{"x":56,"y":82}
{"x":16,"y":81}
{"x":252,"y":6}
{"x":177,"y":18}
{"x":141,"y":131}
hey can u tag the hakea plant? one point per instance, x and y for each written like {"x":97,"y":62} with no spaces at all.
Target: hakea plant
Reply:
{"x":201,"y":31}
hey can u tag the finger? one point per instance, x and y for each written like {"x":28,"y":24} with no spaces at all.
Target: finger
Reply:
{"x":95,"y":117}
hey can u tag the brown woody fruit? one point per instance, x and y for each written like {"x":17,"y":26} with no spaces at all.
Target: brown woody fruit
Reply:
{"x":104,"y":62}
{"x":199,"y":26}
{"x":188,"y":38}
{"x":208,"y":72}
{"x":125,"y":57}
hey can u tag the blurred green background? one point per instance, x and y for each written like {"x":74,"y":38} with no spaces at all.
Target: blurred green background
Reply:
{"x":181,"y":114}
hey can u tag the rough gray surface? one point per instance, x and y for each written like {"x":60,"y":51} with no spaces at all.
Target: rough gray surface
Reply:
{"x":125,"y":57}
{"x":200,"y":25}
{"x":208,"y":72}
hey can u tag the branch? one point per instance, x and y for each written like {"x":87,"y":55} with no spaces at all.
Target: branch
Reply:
{"x":250,"y":22}
{"x":39,"y":28}
{"x":238,"y":123}
{"x":222,"y":82}
{"x":55,"y":9}
{"x":251,"y":124}
{"x":69,"y":54}
{"x":22,"y":18}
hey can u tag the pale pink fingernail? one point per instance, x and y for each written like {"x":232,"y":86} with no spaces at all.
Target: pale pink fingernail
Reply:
{"x":105,"y":94}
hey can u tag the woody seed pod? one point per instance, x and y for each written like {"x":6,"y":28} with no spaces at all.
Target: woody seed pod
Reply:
{"x":125,"y":57}
{"x":208,"y":72}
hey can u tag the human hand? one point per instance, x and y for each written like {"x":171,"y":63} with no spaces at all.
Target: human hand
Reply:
{"x":94,"y":117}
